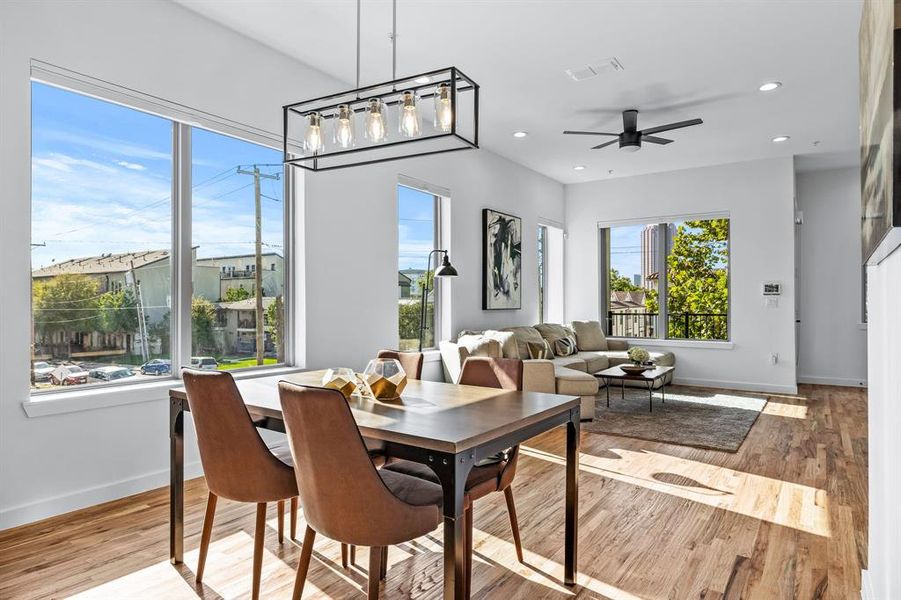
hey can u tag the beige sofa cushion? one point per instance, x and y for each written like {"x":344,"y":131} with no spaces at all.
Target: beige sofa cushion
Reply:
{"x":507,"y":340}
{"x":575,"y":383}
{"x":594,"y":361}
{"x":480,"y":345}
{"x":589,"y":335}
{"x":523,"y":336}
{"x":570,"y":362}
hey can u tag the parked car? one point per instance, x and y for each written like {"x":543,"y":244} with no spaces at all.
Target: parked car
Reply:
{"x":207,"y":363}
{"x":157,"y":366}
{"x":42,"y":370}
{"x":111,"y":373}
{"x":68,"y":375}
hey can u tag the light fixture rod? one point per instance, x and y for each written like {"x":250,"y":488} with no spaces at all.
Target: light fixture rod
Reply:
{"x":358,"y":44}
{"x":393,"y":39}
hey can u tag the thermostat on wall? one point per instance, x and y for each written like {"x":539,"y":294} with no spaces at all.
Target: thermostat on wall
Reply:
{"x":772,"y":288}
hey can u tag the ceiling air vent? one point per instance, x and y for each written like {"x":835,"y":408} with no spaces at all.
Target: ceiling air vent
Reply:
{"x":605,"y":65}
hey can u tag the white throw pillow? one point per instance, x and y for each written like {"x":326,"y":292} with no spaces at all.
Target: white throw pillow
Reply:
{"x":507,"y":341}
{"x":480,"y":345}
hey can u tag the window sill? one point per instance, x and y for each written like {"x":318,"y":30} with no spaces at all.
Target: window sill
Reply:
{"x":44,"y":405}
{"x":710,"y":345}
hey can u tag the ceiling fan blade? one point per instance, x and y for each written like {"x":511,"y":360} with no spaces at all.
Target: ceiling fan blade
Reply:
{"x":630,"y":120}
{"x":604,"y":144}
{"x":678,"y":125}
{"x":655,"y":140}
{"x":590,"y":133}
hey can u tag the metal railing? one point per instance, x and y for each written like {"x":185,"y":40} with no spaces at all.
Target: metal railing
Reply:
{"x":686,"y":326}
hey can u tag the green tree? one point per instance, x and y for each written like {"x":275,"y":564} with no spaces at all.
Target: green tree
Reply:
{"x":697,"y":279}
{"x":66,"y":303}
{"x":408,"y":325}
{"x":274,"y":322}
{"x":162,"y":330}
{"x":237,"y":293}
{"x":118,"y":311}
{"x":621,"y":283}
{"x":203,"y":318}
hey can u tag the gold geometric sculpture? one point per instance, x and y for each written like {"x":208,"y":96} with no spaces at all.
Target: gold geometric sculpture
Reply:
{"x":385,"y":377}
{"x":342,"y":379}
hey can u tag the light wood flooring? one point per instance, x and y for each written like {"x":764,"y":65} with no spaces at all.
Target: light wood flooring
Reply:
{"x":785,"y":517}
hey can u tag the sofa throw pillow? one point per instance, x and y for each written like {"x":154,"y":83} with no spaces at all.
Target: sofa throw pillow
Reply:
{"x":565,"y":346}
{"x":552,"y":332}
{"x":479,"y":345}
{"x":523,"y":336}
{"x":507,"y":340}
{"x":589,"y":336}
{"x":540,"y":350}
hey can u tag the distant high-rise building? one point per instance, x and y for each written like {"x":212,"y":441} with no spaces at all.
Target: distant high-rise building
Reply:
{"x":636,"y":279}
{"x":650,"y":269}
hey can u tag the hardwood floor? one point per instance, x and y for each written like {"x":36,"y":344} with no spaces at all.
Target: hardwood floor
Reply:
{"x":785,"y":517}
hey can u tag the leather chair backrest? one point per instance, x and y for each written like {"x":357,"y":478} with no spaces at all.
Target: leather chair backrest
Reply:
{"x":342,"y":495}
{"x":411,"y":362}
{"x":236,"y":461}
{"x":483,"y":371}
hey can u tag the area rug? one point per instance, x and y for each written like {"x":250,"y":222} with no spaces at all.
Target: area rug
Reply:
{"x":711,"y":419}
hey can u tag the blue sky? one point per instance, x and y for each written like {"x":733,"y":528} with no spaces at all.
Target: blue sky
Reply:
{"x":625,"y":249}
{"x":416,"y":227}
{"x":101,"y":182}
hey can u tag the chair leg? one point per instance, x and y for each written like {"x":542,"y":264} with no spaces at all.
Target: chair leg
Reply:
{"x":375,"y":571}
{"x":258,"y":536}
{"x":294,"y":518}
{"x":281,"y":521}
{"x":303,"y":566}
{"x":344,"y":555}
{"x":514,"y":524}
{"x":467,"y":528}
{"x":384,"y":571}
{"x":206,"y":534}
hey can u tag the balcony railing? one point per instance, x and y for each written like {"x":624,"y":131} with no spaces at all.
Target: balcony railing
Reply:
{"x":685,"y":326}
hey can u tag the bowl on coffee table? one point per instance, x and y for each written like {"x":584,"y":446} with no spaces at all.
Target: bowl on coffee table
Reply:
{"x":635,"y":369}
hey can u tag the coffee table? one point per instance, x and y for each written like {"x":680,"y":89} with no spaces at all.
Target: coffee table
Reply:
{"x":649,"y":377}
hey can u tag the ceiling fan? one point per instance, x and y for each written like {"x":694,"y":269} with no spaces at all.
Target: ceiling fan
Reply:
{"x":630,"y":139}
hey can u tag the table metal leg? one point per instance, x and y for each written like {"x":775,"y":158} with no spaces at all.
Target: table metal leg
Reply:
{"x":607,"y":386}
{"x":452,"y":471}
{"x":623,"y":388}
{"x":176,"y":481}
{"x":663,"y":390}
{"x":651,"y":396}
{"x":570,"y":570}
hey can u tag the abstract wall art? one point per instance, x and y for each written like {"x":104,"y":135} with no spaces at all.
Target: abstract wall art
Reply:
{"x":501,"y":261}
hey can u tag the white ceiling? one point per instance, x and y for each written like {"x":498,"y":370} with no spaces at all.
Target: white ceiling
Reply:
{"x":682,"y":59}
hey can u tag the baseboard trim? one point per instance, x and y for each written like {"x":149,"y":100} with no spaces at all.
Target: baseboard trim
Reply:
{"x":866,"y":586}
{"x":57,"y":505}
{"x":842,"y":381}
{"x":746,"y":386}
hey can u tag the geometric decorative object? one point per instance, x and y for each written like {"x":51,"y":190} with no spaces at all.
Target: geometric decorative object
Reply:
{"x":501,"y":261}
{"x":385,"y":377}
{"x":342,"y":379}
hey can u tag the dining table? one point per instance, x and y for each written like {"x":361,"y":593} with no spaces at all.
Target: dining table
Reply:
{"x":448,"y":427}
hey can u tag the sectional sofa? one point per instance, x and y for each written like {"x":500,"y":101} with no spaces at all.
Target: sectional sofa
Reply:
{"x":557,"y":358}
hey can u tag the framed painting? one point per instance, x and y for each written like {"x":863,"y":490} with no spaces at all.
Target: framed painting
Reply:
{"x":501,"y":261}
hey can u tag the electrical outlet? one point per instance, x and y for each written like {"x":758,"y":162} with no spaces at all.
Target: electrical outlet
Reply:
{"x":774,"y":358}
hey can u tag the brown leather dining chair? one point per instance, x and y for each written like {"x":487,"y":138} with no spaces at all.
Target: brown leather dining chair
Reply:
{"x":344,"y":497}
{"x":495,"y":475}
{"x":411,"y":362}
{"x":236,"y":462}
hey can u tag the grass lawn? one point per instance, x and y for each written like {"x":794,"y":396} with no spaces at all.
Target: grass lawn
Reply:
{"x":228,"y":365}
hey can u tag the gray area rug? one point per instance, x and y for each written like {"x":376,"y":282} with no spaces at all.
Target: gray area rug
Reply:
{"x":711,"y":419}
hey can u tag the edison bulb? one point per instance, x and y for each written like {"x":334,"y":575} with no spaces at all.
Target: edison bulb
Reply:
{"x":344,"y":126}
{"x":408,"y":120}
{"x":312,"y":139}
{"x":444,"y":113}
{"x":375,"y":130}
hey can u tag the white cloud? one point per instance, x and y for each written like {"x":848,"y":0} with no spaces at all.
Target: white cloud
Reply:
{"x":131,"y":165}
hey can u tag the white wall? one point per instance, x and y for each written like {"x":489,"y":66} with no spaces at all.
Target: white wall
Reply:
{"x":833,"y":342}
{"x":351,"y":218}
{"x":883,"y":301}
{"x":54,"y":464}
{"x":759,"y":199}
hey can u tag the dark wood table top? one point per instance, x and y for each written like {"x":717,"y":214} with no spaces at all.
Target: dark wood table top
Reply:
{"x":650,"y":375}
{"x":432,"y":415}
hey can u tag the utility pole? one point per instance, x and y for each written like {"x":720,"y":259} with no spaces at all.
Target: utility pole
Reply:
{"x":258,"y":275}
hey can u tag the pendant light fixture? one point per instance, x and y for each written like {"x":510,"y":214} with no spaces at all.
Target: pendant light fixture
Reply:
{"x":436,"y":111}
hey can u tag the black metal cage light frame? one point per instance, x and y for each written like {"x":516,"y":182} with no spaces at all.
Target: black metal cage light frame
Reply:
{"x":461,"y":134}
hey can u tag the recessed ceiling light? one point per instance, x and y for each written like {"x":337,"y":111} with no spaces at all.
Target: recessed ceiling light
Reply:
{"x":520,"y":134}
{"x":579,"y":168}
{"x":769,"y":86}
{"x":423,"y":80}
{"x":781,"y":138}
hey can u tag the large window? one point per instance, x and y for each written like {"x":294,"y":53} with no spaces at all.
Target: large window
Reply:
{"x":105,"y":304}
{"x":667,"y":280}
{"x":418,"y":234}
{"x":550,"y":274}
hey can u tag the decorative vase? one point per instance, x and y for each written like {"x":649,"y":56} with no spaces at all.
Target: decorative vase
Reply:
{"x":342,"y":379}
{"x":385,"y":377}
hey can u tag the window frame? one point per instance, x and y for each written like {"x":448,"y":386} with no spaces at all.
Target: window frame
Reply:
{"x":542,"y":264}
{"x":663,"y":242}
{"x":183,"y":120}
